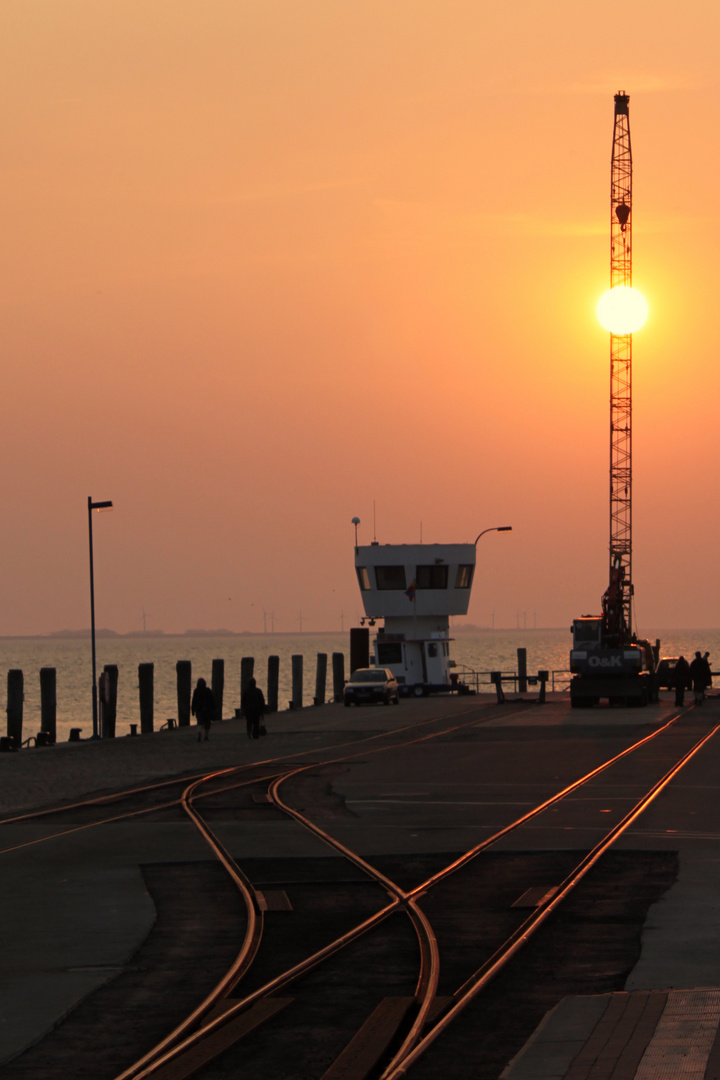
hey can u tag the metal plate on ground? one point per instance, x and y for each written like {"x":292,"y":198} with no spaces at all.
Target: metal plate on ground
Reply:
{"x":273,"y":900}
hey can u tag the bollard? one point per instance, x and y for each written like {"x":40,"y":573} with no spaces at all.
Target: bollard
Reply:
{"x":133,"y":729}
{"x":522,"y":671}
{"x":247,"y":668}
{"x":543,"y":677}
{"x":338,"y":670}
{"x":297,"y":682}
{"x":320,"y":679}
{"x":48,"y":705}
{"x":109,"y":704}
{"x":273,"y":683}
{"x":496,"y":678}
{"x":146,"y":674}
{"x":183,"y":670}
{"x":74,"y":735}
{"x":218,"y":686}
{"x":15,"y":698}
{"x":359,"y":647}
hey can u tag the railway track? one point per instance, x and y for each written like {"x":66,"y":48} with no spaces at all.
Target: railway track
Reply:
{"x":389,"y":932}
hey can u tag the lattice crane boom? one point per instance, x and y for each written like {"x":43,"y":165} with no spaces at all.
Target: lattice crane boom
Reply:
{"x":617,"y":602}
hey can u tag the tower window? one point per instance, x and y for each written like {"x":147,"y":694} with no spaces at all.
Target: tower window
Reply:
{"x":390,"y":577}
{"x":431,"y":577}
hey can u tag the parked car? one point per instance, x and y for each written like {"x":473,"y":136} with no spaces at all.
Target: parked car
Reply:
{"x":665,"y":674}
{"x":371,"y":685}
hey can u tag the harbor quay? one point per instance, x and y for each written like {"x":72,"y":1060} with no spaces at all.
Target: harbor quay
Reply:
{"x":76,"y":911}
{"x":46,"y":706}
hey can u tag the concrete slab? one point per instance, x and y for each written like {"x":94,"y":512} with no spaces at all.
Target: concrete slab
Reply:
{"x":558,"y":1039}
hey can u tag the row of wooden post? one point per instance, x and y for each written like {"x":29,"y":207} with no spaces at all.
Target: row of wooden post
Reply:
{"x":146,"y":677}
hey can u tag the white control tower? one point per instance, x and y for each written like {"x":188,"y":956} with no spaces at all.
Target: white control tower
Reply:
{"x":415,"y":588}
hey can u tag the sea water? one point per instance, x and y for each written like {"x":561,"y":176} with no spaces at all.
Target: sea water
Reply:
{"x":475,"y":650}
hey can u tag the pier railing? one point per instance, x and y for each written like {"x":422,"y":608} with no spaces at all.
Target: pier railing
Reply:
{"x":482,"y":682}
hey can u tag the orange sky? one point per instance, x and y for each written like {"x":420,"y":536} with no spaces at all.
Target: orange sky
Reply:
{"x":264,"y":263}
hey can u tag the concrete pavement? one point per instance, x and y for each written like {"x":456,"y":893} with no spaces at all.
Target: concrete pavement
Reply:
{"x":428,"y":799}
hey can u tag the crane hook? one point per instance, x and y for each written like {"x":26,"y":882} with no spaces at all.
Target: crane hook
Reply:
{"x":622,"y":213}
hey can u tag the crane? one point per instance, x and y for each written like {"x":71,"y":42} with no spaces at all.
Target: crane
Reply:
{"x":607,"y":660}
{"x":617,"y":600}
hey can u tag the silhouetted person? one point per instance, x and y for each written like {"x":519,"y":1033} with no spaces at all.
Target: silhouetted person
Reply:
{"x":708,"y":680}
{"x":252,"y":704}
{"x":699,"y":670}
{"x":203,"y":706}
{"x":681,"y":677}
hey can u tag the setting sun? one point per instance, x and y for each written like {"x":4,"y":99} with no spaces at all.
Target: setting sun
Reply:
{"x":622,"y":310}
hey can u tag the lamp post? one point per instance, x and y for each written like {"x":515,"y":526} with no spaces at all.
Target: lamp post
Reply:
{"x":94,"y":506}
{"x":495,"y":528}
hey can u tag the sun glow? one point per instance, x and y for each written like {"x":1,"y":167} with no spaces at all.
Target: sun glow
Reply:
{"x":622,"y":310}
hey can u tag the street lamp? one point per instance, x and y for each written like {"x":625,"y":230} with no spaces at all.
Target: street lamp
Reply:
{"x":495,"y":528}
{"x":94,"y":506}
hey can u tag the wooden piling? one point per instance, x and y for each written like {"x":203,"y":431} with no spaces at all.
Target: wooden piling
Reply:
{"x":218,"y":686}
{"x":247,"y":668}
{"x":297,"y":682}
{"x":320,"y":679}
{"x":146,"y":674}
{"x":359,"y":647}
{"x":48,"y":702}
{"x":15,"y":698}
{"x":110,"y":706}
{"x":273,"y":683}
{"x":338,"y":669}
{"x":522,"y":671}
{"x":183,"y":671}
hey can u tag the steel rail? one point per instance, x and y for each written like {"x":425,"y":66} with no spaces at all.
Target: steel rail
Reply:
{"x":469,"y":855}
{"x":175,"y":802}
{"x":425,"y":998}
{"x":270,"y":988}
{"x":286,"y":978}
{"x":113,"y":797}
{"x":429,"y":974}
{"x":473,"y":852}
{"x":248,"y":951}
{"x":132,"y":813}
{"x":429,"y":969}
{"x":502,"y":956}
{"x":127,"y":792}
{"x":427,"y":979}
{"x":423,"y":991}
{"x":116,"y":796}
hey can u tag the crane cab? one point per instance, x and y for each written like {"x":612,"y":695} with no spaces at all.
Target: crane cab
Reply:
{"x":587,"y":631}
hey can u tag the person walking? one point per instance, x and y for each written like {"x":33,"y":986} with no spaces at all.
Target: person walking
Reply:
{"x":252,"y":704}
{"x":203,"y":707}
{"x":708,"y":671}
{"x":699,"y":669}
{"x":681,"y":678}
